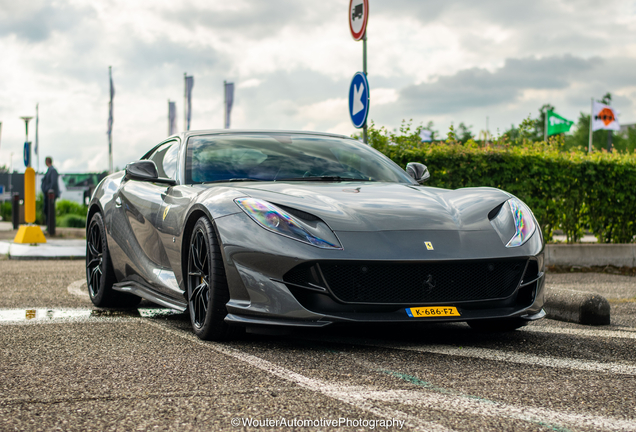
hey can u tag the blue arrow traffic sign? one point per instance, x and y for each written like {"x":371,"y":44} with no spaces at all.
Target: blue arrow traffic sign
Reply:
{"x":359,"y":99}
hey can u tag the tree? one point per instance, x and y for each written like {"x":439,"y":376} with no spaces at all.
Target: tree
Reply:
{"x":464,"y":132}
{"x":539,"y":123}
{"x":522,"y":134}
{"x":607,"y":99}
{"x":429,"y":127}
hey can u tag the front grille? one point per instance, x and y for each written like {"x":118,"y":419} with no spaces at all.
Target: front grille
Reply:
{"x":373,"y":282}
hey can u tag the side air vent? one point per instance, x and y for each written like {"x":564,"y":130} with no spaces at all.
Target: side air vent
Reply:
{"x":494,"y":212}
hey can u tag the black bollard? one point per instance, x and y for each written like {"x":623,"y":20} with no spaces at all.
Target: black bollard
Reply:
{"x":15,"y":210}
{"x":50,"y":217}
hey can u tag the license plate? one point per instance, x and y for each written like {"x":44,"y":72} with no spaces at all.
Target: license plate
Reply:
{"x":432,"y":311}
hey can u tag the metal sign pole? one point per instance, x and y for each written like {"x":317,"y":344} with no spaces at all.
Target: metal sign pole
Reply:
{"x":589,"y":145}
{"x":364,"y":69}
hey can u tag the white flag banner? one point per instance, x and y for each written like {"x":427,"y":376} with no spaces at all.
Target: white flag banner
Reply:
{"x":427,"y":135}
{"x":189,"y":83}
{"x":172,"y":118}
{"x":604,"y":117}
{"x":229,"y":100}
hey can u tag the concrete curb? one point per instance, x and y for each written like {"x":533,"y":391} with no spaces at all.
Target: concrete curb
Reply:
{"x":588,"y":255}
{"x":577,"y":307}
{"x":53,"y":249}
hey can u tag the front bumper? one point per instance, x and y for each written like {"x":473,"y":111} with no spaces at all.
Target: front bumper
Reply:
{"x":257,"y":262}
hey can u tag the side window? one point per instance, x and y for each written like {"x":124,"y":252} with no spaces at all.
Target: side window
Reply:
{"x":170,"y":160}
{"x":165,"y":157}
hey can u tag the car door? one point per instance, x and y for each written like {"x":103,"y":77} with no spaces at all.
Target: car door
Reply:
{"x":137,"y":207}
{"x":170,"y":222}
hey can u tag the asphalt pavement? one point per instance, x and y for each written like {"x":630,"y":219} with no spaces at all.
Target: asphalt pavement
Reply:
{"x":65,"y":365}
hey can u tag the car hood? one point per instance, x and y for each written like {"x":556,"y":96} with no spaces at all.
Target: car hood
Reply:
{"x":370,"y":206}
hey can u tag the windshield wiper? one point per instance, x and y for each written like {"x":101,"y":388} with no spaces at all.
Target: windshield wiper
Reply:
{"x":233,"y":180}
{"x":324,"y":178}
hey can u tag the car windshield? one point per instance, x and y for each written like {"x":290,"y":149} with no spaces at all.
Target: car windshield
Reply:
{"x":286,"y":157}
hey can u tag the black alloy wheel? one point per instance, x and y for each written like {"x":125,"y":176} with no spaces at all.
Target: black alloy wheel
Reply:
{"x":99,"y":270}
{"x":207,"y":286}
{"x":94,"y":258}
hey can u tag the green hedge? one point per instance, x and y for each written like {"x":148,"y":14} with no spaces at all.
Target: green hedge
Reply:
{"x":5,"y":211}
{"x":571,"y":191}
{"x":69,"y":214}
{"x":71,"y":221}
{"x":63,"y":208}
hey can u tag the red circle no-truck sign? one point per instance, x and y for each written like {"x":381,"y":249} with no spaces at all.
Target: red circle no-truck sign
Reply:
{"x":358,"y":18}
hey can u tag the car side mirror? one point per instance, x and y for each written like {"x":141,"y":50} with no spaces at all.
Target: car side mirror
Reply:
{"x":146,"y":170}
{"x":418,"y":171}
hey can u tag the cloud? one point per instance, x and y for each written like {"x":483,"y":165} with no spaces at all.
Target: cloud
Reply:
{"x":292,"y":64}
{"x":479,"y":87}
{"x":252,"y":19}
{"x":35,"y":21}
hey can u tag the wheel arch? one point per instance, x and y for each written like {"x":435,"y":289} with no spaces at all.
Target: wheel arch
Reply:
{"x":94,"y":208}
{"x":195,"y":213}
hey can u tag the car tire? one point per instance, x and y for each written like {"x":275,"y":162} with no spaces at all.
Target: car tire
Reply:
{"x":497,"y":325}
{"x":99,"y":269}
{"x":207,"y":289}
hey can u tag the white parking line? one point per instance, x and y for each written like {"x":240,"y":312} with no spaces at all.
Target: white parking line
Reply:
{"x":355,"y":396}
{"x":363,"y":397}
{"x":76,"y":289}
{"x":482,"y":407}
{"x":620,"y":334}
{"x":521,"y":358}
{"x":42,"y":315}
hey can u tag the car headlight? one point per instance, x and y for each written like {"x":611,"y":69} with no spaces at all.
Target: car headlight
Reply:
{"x":275,"y":219}
{"x":514,"y":223}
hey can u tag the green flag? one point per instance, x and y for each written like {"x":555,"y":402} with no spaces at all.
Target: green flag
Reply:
{"x":558,"y":124}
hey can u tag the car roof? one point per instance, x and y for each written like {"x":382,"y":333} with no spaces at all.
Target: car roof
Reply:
{"x":185,"y":135}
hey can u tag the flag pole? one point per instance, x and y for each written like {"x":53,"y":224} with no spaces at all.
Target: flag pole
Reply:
{"x":589,"y":145}
{"x":224,"y":104}
{"x":545,"y":127}
{"x":110,"y":129}
{"x":168,"y":117}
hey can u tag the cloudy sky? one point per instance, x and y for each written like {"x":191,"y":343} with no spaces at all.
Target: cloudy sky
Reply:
{"x":292,"y":62}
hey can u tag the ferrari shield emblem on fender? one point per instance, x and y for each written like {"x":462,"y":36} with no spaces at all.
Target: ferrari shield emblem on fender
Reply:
{"x":429,"y":245}
{"x":165,"y":212}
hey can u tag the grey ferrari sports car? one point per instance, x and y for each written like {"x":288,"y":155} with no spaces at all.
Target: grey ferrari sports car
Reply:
{"x":268,"y":230}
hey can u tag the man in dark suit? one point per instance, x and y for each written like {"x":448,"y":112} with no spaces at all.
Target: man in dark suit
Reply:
{"x":50,"y":182}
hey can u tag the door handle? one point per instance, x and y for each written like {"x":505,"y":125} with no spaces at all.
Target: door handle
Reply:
{"x":117,"y":202}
